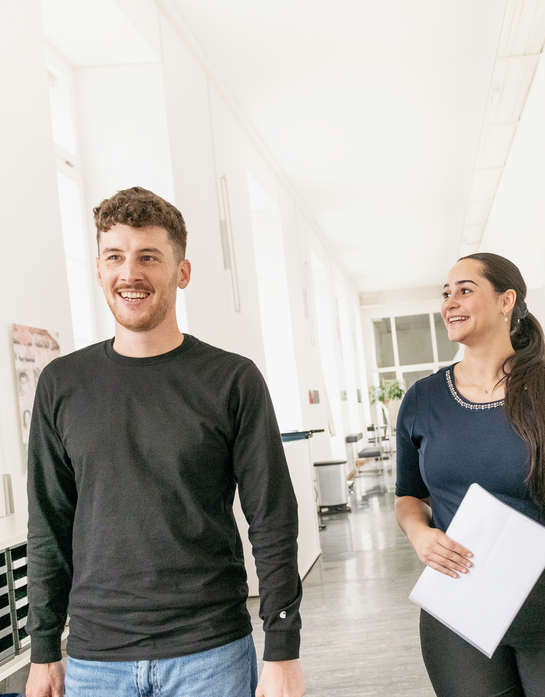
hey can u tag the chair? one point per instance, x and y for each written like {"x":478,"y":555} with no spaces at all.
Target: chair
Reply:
{"x":372,"y":434}
{"x":369,"y":453}
{"x":383,"y":432}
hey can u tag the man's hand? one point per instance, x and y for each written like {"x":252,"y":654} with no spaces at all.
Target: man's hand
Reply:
{"x":45,"y":680}
{"x":281,"y":679}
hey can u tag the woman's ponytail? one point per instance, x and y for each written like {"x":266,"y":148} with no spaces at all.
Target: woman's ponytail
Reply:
{"x":525,"y":371}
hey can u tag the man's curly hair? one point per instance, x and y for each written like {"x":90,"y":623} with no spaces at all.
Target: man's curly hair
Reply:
{"x":138,"y":207}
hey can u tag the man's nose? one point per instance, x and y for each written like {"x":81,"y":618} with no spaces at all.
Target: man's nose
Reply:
{"x":130,"y":271}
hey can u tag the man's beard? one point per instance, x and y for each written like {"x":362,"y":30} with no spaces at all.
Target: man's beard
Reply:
{"x":148,"y":320}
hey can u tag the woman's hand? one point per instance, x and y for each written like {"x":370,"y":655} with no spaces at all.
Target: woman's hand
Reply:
{"x":439,"y":552}
{"x":433,"y":547}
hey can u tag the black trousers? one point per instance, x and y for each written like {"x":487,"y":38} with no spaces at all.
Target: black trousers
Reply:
{"x":517,"y":668}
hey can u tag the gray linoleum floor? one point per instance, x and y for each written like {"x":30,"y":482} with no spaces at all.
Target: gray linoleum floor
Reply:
{"x":360,"y":630}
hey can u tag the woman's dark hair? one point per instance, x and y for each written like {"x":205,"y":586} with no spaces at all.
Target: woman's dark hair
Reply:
{"x":525,"y":371}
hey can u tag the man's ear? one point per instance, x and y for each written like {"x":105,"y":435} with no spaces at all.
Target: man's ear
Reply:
{"x":184,"y":273}
{"x":99,"y":277}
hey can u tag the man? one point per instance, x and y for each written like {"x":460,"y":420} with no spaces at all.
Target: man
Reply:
{"x":136,"y":446}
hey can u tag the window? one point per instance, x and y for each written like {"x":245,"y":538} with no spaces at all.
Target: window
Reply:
{"x":70,"y":189}
{"x":446,"y":350}
{"x":410,"y":347}
{"x":388,"y":376}
{"x":73,"y":231}
{"x":348,"y":360}
{"x":326,"y":343}
{"x":61,"y":109}
{"x":411,"y":377}
{"x":274,"y":304}
{"x":414,"y":343}
{"x":383,"y":342}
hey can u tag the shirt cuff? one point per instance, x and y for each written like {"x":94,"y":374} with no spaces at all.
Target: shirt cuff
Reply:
{"x":45,"y":649}
{"x":282,"y":646}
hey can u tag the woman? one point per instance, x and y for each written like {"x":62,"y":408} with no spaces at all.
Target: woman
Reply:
{"x":481,"y":420}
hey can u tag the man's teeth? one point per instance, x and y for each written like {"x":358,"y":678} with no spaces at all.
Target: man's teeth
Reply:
{"x":127,"y":295}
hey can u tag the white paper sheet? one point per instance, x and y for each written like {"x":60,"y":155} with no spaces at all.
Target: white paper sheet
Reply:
{"x":509,"y":557}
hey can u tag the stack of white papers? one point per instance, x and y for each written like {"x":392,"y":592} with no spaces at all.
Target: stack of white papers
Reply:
{"x":508,"y":557}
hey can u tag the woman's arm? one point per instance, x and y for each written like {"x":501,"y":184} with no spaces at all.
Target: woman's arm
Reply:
{"x":433,"y":547}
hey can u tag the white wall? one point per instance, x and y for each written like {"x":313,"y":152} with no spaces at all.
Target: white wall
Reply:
{"x":208,"y":142}
{"x":195,"y":150}
{"x":124,"y":142}
{"x":35,"y":290}
{"x":516,"y":224}
{"x":535,"y":300}
{"x":296,"y":230}
{"x":162,"y":125}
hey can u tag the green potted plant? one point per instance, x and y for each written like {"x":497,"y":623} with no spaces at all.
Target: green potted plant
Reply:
{"x":389,"y":396}
{"x":390,"y":389}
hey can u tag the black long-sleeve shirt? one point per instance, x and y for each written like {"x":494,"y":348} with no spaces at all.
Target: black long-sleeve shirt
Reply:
{"x":133,"y":464}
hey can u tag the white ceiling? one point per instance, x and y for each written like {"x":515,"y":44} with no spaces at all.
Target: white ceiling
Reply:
{"x":516,"y":225}
{"x":392,"y":120}
{"x":102,"y":32}
{"x":374,"y":111}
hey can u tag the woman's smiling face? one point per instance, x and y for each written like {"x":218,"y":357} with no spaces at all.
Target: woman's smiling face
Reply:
{"x":472,"y":310}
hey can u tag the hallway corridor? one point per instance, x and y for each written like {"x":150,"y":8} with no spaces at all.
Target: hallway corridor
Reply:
{"x":360,"y":630}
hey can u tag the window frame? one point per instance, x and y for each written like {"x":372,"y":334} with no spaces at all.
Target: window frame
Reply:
{"x":399,"y":368}
{"x":69,"y":164}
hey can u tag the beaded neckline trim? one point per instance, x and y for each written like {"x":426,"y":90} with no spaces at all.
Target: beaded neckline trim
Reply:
{"x":469,"y":405}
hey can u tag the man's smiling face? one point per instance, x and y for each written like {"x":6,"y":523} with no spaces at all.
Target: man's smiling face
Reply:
{"x":139,"y":275}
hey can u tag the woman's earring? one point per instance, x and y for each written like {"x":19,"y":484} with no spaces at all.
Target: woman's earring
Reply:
{"x":505,"y":315}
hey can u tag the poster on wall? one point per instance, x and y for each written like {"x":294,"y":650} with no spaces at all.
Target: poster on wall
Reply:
{"x":33,"y":349}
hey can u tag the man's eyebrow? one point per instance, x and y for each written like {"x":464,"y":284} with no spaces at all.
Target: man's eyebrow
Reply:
{"x":147,"y":250}
{"x":458,"y":283}
{"x":153,"y":250}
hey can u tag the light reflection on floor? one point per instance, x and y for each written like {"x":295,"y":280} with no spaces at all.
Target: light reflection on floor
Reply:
{"x":360,"y":631}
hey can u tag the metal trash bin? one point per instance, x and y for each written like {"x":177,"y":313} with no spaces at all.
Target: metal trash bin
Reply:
{"x":332,"y":485}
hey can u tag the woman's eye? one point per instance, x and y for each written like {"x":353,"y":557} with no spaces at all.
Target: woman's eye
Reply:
{"x":445,"y":295}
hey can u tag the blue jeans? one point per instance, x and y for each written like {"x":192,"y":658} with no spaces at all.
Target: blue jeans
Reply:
{"x":228,"y":671}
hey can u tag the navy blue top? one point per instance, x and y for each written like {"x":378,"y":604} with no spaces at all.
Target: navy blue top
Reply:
{"x":445,"y":443}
